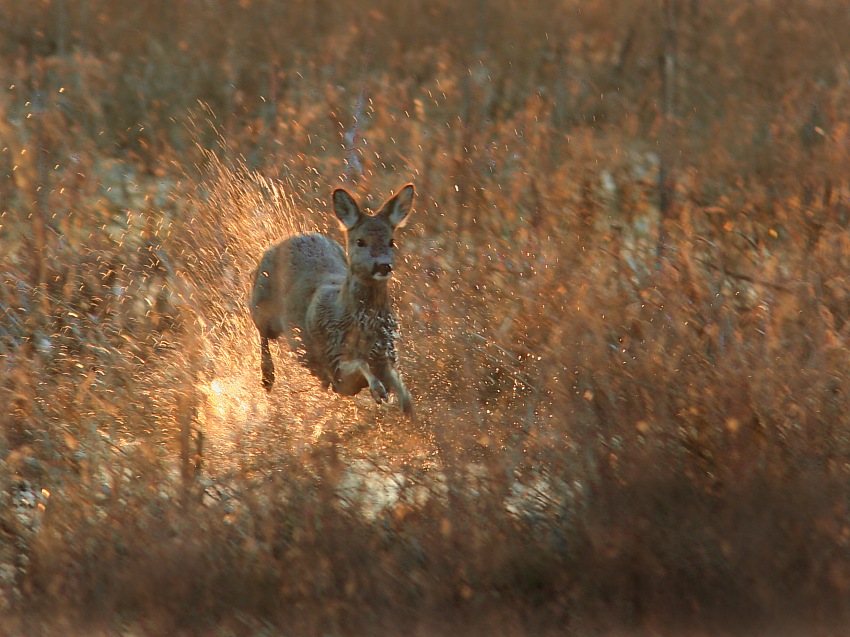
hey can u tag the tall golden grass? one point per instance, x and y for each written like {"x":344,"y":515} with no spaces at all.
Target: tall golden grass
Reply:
{"x":623,"y":298}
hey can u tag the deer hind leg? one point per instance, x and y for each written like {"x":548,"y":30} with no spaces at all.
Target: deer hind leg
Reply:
{"x":353,"y":371}
{"x":266,"y":364}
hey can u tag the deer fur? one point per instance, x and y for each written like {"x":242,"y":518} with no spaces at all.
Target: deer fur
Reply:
{"x":332,"y":303}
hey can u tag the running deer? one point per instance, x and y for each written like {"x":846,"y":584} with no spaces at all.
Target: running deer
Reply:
{"x":332,"y":303}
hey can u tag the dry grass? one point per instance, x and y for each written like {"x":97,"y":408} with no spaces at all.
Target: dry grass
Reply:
{"x":631,"y":417}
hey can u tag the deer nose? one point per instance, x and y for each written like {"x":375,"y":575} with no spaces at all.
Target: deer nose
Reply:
{"x":382,"y":269}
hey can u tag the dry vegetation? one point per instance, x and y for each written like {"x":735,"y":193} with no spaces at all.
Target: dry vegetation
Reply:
{"x":624,"y":301}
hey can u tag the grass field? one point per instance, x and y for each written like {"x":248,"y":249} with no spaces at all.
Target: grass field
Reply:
{"x":623,"y":297}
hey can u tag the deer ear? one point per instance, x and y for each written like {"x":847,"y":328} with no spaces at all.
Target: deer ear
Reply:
{"x":397,"y":208}
{"x":345,"y":208}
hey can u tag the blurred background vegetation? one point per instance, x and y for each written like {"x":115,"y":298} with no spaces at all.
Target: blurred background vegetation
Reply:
{"x":624,"y":301}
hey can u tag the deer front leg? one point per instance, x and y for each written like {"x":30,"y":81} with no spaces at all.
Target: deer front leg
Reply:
{"x":393,"y":381}
{"x":353,"y":371}
{"x":405,"y":400}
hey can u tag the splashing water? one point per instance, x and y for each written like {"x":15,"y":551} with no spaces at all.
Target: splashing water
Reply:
{"x":234,"y":215}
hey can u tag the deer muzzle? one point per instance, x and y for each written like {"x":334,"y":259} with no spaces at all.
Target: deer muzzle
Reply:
{"x":381,"y":270}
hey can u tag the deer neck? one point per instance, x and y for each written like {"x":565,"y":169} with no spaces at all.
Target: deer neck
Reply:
{"x":366,"y":298}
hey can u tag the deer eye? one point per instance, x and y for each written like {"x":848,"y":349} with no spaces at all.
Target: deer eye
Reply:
{"x":360,"y":243}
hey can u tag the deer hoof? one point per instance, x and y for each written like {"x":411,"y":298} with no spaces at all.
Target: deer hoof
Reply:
{"x":405,"y":400}
{"x":379,"y":392}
